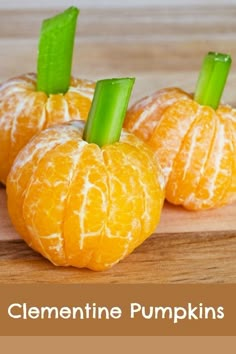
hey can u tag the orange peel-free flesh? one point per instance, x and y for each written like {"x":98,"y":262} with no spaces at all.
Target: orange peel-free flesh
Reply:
{"x":24,"y":112}
{"x":82,"y":205}
{"x":195,"y":146}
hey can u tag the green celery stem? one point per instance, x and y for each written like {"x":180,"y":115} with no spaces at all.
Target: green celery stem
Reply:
{"x":108,"y":109}
{"x":212,"y":79}
{"x":55,"y":52}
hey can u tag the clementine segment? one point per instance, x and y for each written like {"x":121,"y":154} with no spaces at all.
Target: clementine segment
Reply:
{"x":82,"y":205}
{"x":228,"y":115}
{"x":143,"y":116}
{"x":24,"y":112}
{"x":194,"y":144}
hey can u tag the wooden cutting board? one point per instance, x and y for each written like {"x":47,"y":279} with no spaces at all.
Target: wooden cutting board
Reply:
{"x":160,"y":46}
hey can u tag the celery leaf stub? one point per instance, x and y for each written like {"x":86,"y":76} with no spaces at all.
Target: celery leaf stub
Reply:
{"x":107,"y":113}
{"x":55,"y":52}
{"x":212,"y":79}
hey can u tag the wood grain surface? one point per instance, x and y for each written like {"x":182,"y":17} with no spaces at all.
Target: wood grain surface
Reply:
{"x":161,"y":46}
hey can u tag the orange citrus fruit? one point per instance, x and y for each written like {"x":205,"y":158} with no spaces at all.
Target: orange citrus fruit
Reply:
{"x":24,"y":112}
{"x":81,"y":205}
{"x":195,"y":145}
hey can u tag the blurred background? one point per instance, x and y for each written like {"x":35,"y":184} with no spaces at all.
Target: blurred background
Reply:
{"x":161,"y":43}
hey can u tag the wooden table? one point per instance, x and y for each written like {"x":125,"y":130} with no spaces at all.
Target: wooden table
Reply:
{"x":160,"y":46}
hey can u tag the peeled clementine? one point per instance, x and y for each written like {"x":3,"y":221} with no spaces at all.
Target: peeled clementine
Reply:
{"x":195,"y":145}
{"x":25,"y":111}
{"x":82,"y":205}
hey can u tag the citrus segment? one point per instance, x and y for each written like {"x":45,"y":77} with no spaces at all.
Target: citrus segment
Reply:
{"x":229,"y":115}
{"x":167,"y":137}
{"x":217,"y":174}
{"x":86,"y":208}
{"x":32,"y":106}
{"x":191,"y":157}
{"x":143,"y":116}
